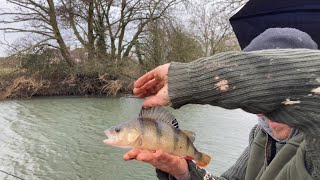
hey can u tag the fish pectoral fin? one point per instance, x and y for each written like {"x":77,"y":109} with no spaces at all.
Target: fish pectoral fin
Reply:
{"x":137,"y":139}
{"x":133,"y":137}
{"x":139,"y":142}
{"x":191,"y":135}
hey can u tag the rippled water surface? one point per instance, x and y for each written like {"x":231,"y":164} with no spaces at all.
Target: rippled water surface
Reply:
{"x":61,"y":138}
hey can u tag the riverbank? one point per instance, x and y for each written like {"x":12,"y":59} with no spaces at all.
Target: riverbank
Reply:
{"x":17,"y":83}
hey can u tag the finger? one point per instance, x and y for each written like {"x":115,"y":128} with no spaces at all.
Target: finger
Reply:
{"x":160,"y":89}
{"x":165,"y":161}
{"x":157,"y":87}
{"x":159,"y":72}
{"x":132,"y":154}
{"x":146,"y":94}
{"x":160,"y":99}
{"x":138,"y":91}
{"x":145,"y":156}
{"x":164,"y":157}
{"x":153,"y":101}
{"x":160,"y":154}
{"x":144,"y":79}
{"x":148,"y":87}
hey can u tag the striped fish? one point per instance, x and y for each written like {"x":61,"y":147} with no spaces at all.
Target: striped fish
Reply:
{"x":156,"y":129}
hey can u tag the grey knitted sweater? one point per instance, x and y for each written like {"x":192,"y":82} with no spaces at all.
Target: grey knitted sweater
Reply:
{"x":283,"y":84}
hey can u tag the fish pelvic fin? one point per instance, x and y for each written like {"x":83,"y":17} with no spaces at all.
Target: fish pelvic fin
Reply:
{"x":204,"y":160}
{"x":159,"y":114}
{"x":191,"y":135}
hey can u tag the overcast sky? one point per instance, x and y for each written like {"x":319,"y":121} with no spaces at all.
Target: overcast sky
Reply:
{"x":7,"y":37}
{"x":12,"y":37}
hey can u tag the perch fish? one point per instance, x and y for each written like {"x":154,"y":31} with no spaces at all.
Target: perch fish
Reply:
{"x":156,"y":129}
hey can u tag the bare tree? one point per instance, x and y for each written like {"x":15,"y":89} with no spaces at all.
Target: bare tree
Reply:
{"x":79,"y":15}
{"x":210,"y":25}
{"x":167,"y":41}
{"x":39,"y":17}
{"x":113,"y":26}
{"x":132,"y":17}
{"x":152,"y":47}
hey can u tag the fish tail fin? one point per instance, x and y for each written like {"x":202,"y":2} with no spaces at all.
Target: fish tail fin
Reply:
{"x":203,"y":160}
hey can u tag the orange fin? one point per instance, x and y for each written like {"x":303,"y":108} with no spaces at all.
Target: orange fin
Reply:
{"x":204,"y":161}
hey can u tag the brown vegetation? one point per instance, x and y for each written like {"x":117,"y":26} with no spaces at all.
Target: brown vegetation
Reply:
{"x":26,"y":87}
{"x":54,"y":79}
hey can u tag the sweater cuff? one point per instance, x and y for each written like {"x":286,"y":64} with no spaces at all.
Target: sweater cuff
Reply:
{"x":196,"y":172}
{"x":180,"y":85}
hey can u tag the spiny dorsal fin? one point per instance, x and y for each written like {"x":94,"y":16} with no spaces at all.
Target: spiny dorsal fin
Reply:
{"x":160,"y":114}
{"x":191,"y":135}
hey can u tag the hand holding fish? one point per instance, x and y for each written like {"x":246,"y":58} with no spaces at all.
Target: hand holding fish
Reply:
{"x":154,"y":86}
{"x":161,"y":160}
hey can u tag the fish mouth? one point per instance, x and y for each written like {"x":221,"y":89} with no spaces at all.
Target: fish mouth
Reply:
{"x":111,"y":139}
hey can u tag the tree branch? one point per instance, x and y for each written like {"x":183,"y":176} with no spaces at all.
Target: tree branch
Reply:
{"x":17,"y":30}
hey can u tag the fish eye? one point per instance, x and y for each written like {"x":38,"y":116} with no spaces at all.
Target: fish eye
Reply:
{"x":117,"y":129}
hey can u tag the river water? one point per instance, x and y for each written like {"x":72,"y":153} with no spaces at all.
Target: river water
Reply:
{"x":61,"y":137}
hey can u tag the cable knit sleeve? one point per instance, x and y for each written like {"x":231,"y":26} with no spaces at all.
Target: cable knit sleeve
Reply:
{"x":283,"y":84}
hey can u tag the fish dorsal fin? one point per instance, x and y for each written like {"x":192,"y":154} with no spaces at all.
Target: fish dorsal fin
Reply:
{"x":191,"y":135}
{"x":160,"y":114}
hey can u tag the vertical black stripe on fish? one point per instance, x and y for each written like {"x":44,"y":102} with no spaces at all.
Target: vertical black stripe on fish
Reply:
{"x":158,"y":130}
{"x":188,"y":144}
{"x":142,"y":124}
{"x":176,"y":133}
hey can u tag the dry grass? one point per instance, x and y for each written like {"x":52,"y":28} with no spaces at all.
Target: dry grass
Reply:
{"x":6,"y":71}
{"x":24,"y":87}
{"x":111,"y":87}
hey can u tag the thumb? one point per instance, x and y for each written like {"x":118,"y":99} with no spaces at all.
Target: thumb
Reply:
{"x":153,"y":101}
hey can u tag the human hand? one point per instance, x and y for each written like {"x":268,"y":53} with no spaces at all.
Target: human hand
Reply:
{"x":173,"y":165}
{"x":153,"y":86}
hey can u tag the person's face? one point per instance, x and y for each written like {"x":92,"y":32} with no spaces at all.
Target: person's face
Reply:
{"x":279,"y":130}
